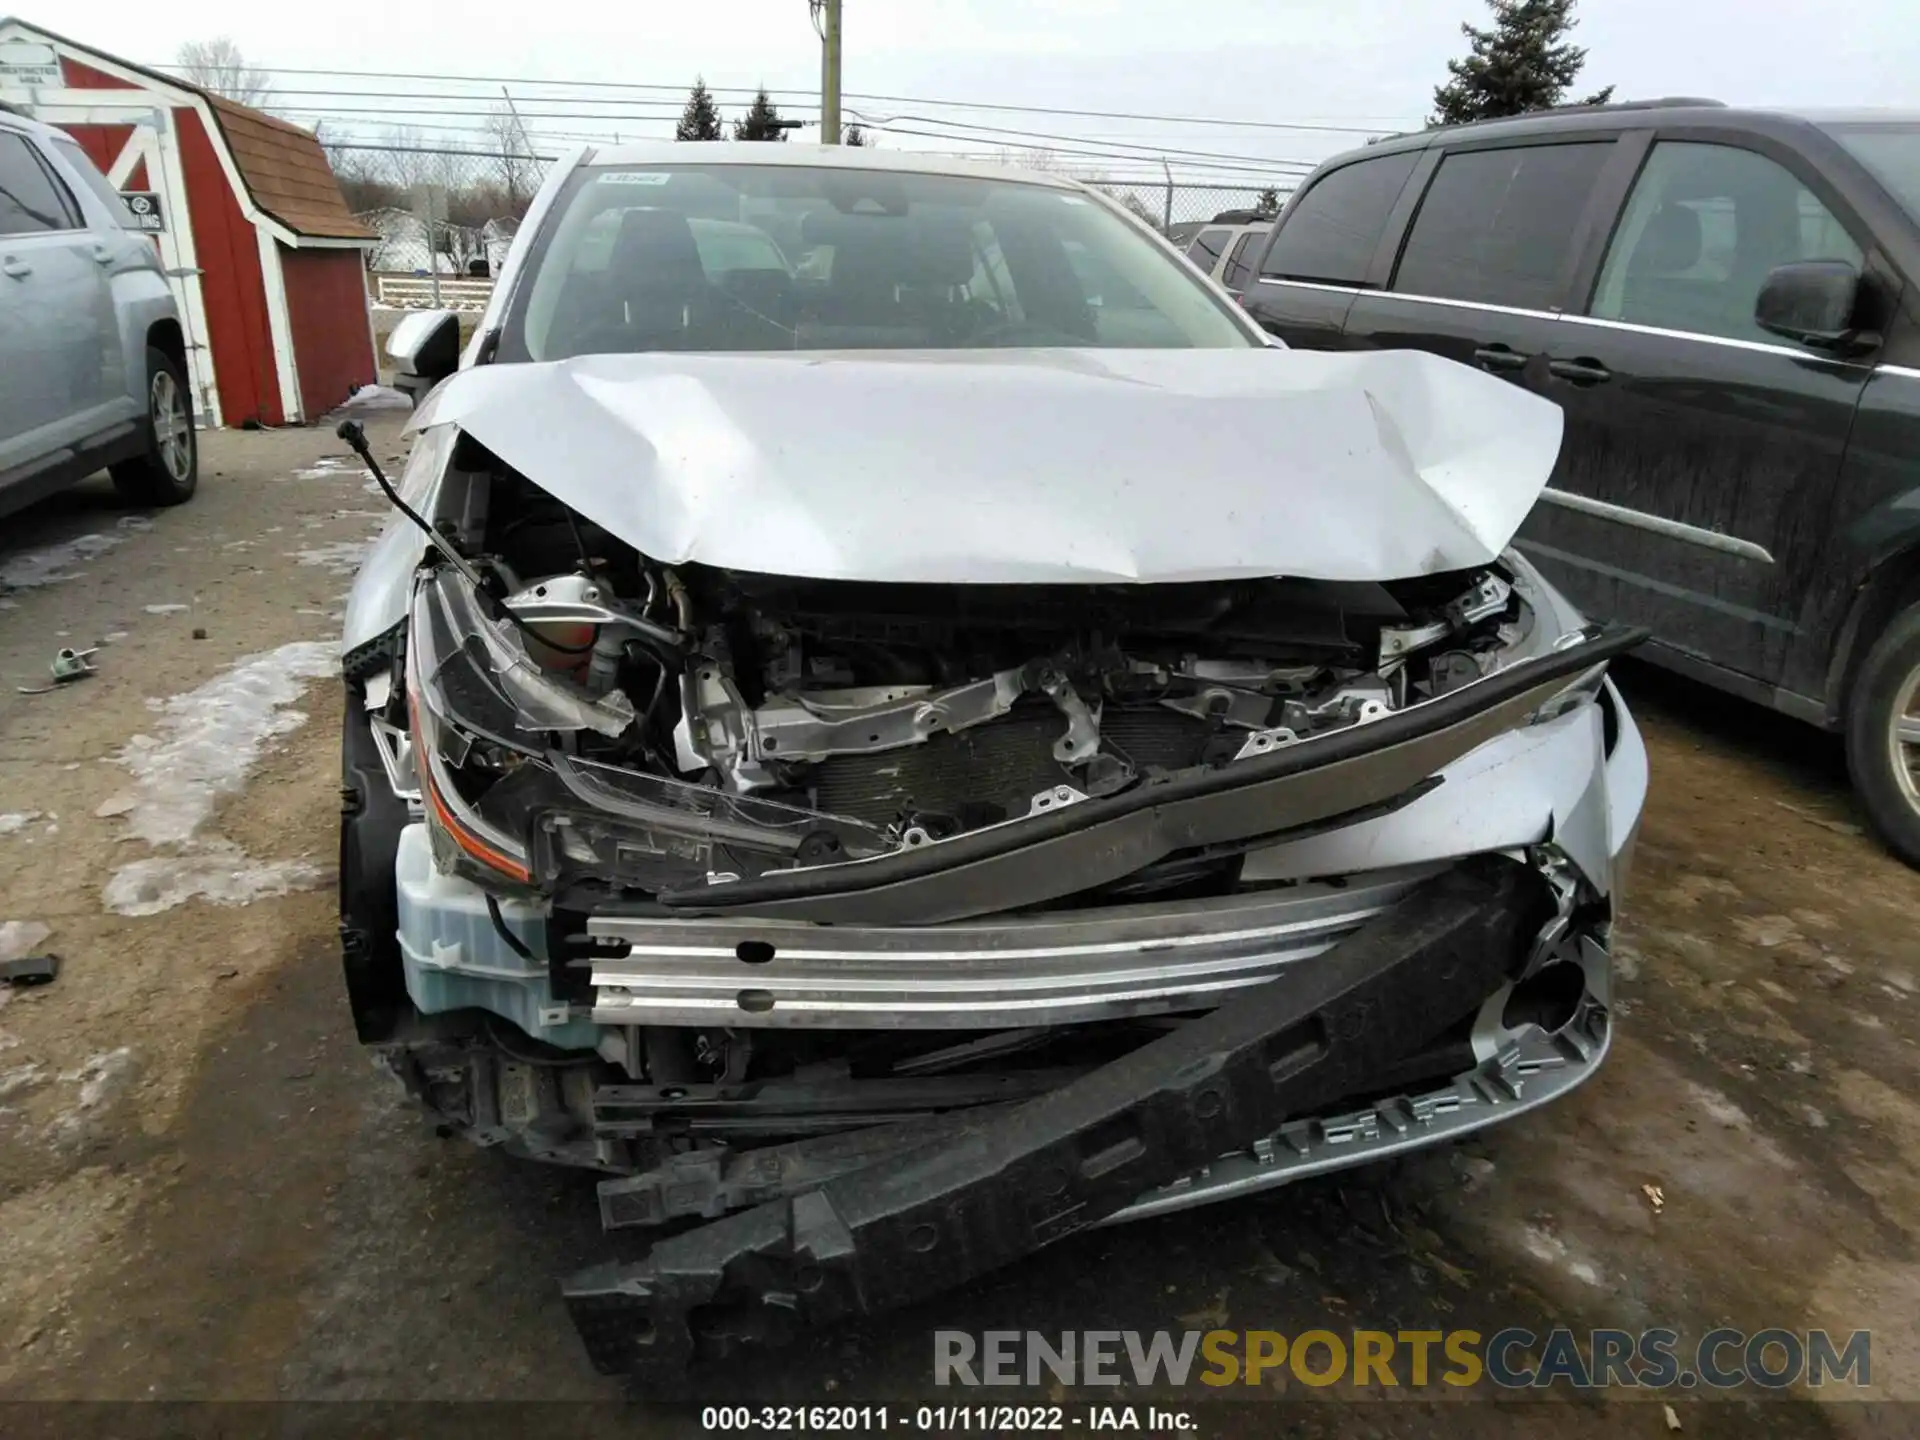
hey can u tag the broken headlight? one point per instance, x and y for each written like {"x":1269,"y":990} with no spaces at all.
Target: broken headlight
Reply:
{"x":509,"y":798}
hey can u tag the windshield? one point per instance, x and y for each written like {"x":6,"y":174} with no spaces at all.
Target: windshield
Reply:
{"x":1892,"y":153}
{"x":778,"y":257}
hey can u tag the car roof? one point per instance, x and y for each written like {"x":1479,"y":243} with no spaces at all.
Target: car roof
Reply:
{"x":1679,"y":112}
{"x":838,"y":157}
{"x":12,"y":119}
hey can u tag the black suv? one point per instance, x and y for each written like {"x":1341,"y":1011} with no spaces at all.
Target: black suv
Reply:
{"x":1726,"y":306}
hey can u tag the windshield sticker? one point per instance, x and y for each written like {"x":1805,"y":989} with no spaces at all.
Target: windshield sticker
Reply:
{"x":636,"y":177}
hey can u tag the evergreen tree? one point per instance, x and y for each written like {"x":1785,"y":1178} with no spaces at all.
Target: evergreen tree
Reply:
{"x":700,"y":120}
{"x":1268,"y":205}
{"x":1525,"y":62}
{"x":761,"y":122}
{"x":854,"y":135}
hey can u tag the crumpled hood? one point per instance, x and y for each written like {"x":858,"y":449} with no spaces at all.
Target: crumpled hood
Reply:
{"x":1026,"y":466}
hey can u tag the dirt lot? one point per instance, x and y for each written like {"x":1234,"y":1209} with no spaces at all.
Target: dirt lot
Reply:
{"x":207,"y":1191}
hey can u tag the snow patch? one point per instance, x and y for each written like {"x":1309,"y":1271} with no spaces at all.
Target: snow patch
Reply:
{"x":378,"y":397}
{"x":54,"y":563}
{"x":1626,"y":960}
{"x":1551,"y":1250}
{"x":339,"y":557}
{"x":212,"y":736}
{"x":1720,"y":1108}
{"x":51,"y":564}
{"x":328,"y":465}
{"x":21,"y":937}
{"x":19,"y":1078}
{"x":99,"y":1075}
{"x":219,"y":872}
{"x":209,"y":741}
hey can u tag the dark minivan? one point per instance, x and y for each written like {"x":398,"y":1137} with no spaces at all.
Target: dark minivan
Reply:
{"x":1726,"y":305}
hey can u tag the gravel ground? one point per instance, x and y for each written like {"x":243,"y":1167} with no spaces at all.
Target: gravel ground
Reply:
{"x":208,"y":1192}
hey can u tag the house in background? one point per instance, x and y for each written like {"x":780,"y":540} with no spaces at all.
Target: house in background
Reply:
{"x":265,"y":259}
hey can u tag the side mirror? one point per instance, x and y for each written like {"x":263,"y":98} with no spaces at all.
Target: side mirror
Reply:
{"x":425,"y":349}
{"x":1812,"y":303}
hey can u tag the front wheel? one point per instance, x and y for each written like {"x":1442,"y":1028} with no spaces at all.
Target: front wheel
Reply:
{"x":1883,"y":734}
{"x":170,"y":469}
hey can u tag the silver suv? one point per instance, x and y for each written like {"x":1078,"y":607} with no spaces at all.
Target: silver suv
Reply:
{"x":92,"y":360}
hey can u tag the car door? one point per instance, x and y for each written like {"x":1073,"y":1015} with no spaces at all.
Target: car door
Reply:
{"x":1322,"y":247}
{"x":56,"y":313}
{"x":1490,"y":255}
{"x":1701,"y":457}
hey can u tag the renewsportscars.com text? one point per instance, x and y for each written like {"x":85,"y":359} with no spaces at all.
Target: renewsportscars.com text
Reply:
{"x":1512,"y":1359}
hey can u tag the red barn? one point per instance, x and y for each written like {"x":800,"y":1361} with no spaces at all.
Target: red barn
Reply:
{"x":264,"y":257}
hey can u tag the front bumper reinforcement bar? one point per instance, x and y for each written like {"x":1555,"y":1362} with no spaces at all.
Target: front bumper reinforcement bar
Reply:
{"x":922,"y":1220}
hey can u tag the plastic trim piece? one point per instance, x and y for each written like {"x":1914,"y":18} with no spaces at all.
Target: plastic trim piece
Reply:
{"x":1078,"y":847}
{"x":911,"y":1226}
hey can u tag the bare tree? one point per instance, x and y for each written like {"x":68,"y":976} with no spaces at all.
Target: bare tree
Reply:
{"x":218,"y":65}
{"x":1132,"y":202}
{"x":357,"y":169}
{"x":1039,"y":159}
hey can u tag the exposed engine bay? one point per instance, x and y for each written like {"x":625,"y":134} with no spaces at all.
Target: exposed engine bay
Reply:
{"x":812,"y":722}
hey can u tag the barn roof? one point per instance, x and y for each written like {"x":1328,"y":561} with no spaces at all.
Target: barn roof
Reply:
{"x":283,"y":167}
{"x":286,"y":172}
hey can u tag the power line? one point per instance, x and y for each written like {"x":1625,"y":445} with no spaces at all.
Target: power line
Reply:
{"x":1118,"y":145}
{"x":1029,"y":139}
{"x":851,"y":95}
{"x":434,"y":150}
{"x":1297,"y":167}
{"x":1143,"y":180}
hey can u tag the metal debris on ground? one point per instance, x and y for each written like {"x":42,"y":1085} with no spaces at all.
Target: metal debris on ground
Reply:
{"x":1656,"y":1197}
{"x":30,"y":970}
{"x":67,"y":665}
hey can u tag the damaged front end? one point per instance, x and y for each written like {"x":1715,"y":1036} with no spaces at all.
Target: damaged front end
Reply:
{"x":884,"y":912}
{"x":865,"y":934}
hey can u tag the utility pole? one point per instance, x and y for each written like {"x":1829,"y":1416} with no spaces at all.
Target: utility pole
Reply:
{"x":830,"y":72}
{"x":526,"y":148}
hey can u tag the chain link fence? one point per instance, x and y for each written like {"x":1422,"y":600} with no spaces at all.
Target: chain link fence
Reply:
{"x":1187,"y":202}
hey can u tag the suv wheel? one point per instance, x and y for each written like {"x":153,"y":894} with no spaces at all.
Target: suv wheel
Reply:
{"x":169,"y":471}
{"x":1883,"y":734}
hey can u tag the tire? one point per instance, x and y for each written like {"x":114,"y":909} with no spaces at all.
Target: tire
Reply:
{"x":1886,"y":770}
{"x":371,"y":818}
{"x":170,"y":470}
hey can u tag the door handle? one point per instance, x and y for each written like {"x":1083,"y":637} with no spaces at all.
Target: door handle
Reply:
{"x":1584,"y":371}
{"x":18,"y":269}
{"x":1500,"y":357}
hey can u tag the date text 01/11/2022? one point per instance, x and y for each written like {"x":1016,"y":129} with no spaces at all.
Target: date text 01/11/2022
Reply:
{"x":938,"y":1419}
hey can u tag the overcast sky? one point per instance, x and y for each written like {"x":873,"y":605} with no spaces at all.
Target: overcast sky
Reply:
{"x":1368,"y":63}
